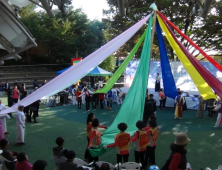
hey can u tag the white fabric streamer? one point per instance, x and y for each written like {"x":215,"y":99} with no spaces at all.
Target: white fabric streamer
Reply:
{"x":80,"y":69}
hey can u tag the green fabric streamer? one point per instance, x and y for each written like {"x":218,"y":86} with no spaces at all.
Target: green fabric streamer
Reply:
{"x":132,"y":108}
{"x":121,"y":69}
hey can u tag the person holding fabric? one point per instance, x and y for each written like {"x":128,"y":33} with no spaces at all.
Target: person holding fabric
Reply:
{"x":109,"y":99}
{"x":79,"y":98}
{"x":201,"y":106}
{"x":218,"y":108}
{"x":122,"y":141}
{"x":89,"y":127}
{"x":95,"y":139}
{"x":179,"y":101}
{"x":74,"y":101}
{"x":149,"y":108}
{"x":15,"y":94}
{"x":87,"y":98}
{"x":140,"y":140}
{"x":151,"y":147}
{"x":157,"y":84}
{"x":20,"y":125}
{"x":101,"y":98}
{"x":177,"y":159}
{"x":2,"y":119}
{"x":161,"y":98}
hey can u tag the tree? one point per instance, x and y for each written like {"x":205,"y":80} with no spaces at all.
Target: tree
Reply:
{"x":208,"y":36}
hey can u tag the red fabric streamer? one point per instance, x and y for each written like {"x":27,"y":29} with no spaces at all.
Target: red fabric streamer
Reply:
{"x":213,"y":82}
{"x":211,"y":60}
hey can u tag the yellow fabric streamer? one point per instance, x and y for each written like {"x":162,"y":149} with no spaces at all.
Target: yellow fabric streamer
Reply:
{"x":202,"y":86}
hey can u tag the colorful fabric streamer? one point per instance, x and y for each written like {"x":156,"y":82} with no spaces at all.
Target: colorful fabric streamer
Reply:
{"x":168,"y":80}
{"x":211,"y":60}
{"x":202,"y":86}
{"x":132,"y":109}
{"x":121,"y":69}
{"x":213,"y":82}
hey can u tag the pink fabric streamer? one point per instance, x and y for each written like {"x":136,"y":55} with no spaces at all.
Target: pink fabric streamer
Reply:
{"x":211,"y":60}
{"x":79,"y":70}
{"x":211,"y":80}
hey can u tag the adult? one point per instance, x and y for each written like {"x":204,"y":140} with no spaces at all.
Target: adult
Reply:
{"x":22,"y":163}
{"x":15,"y":94}
{"x":177,"y":159}
{"x":22,"y":88}
{"x":210,"y":106}
{"x":74,"y":101}
{"x":201,"y":106}
{"x":179,"y":102}
{"x":83,"y":97}
{"x":140,"y":140}
{"x":26,"y":109}
{"x":101,"y":98}
{"x":40,"y":165}
{"x":1,"y":87}
{"x":149,"y":108}
{"x":87,"y":98}
{"x":157,"y":84}
{"x":15,"y":83}
{"x":10,"y":100}
{"x":7,"y":86}
{"x":95,"y":139}
{"x":79,"y":98}
{"x":2,"y":118}
{"x":89,"y":127}
{"x":44,"y":82}
{"x":109,"y":99}
{"x":20,"y":125}
{"x":35,"y":83}
{"x":161,"y":99}
{"x":119,"y":96}
{"x":33,"y":108}
{"x":7,"y":155}
{"x":68,"y":165}
{"x":218,"y":108}
{"x":94,"y":99}
{"x":59,"y":150}
{"x":122,"y":142}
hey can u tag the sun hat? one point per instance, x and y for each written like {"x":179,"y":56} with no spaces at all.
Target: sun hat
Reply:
{"x":181,"y":139}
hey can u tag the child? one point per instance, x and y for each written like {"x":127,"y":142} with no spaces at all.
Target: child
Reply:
{"x":79,"y":95}
{"x":122,"y":141}
{"x":150,"y":149}
{"x":140,"y":140}
{"x":152,"y":117}
{"x":59,"y":150}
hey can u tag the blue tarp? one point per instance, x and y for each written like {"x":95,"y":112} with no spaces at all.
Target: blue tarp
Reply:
{"x":97,"y":71}
{"x":168,"y":80}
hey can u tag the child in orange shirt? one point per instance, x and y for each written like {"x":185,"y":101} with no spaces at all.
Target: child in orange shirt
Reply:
{"x":140,"y":140}
{"x":79,"y":98}
{"x":122,"y":141}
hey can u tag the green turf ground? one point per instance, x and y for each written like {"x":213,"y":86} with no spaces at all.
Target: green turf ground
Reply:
{"x":204,"y":150}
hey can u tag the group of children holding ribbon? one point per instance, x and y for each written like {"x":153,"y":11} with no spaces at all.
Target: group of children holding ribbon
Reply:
{"x":144,"y":140}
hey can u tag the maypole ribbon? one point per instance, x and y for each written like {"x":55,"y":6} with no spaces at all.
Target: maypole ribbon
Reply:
{"x":132,"y":109}
{"x":202,"y":86}
{"x":213,"y":82}
{"x":210,"y":59}
{"x":121,"y":69}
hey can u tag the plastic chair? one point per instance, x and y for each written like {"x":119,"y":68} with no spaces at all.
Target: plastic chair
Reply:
{"x":58,"y":160}
{"x":99,"y":164}
{"x":2,"y":159}
{"x":80,"y":162}
{"x":130,"y":166}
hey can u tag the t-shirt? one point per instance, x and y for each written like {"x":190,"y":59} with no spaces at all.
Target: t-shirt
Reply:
{"x":110,"y":93}
{"x":15,"y":94}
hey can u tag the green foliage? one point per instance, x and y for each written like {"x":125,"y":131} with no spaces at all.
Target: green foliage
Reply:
{"x":61,"y":38}
{"x":108,"y":65}
{"x":179,"y":12}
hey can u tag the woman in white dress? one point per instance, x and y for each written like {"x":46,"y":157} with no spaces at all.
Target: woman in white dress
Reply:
{"x":20,"y":125}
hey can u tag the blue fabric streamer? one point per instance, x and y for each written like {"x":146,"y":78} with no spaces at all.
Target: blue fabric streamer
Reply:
{"x":168,"y":80}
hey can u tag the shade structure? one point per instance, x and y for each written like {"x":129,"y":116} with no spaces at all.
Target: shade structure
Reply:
{"x":97,"y":71}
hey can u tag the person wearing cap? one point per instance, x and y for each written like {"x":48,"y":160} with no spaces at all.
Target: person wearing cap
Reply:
{"x":20,"y":125}
{"x":179,"y":101}
{"x":3,"y":120}
{"x":39,"y":165}
{"x":140,"y":140}
{"x":177,"y":159}
{"x":149,"y":108}
{"x":218,"y":108}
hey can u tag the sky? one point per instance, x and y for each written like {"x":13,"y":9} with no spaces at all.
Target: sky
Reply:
{"x":93,"y":8}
